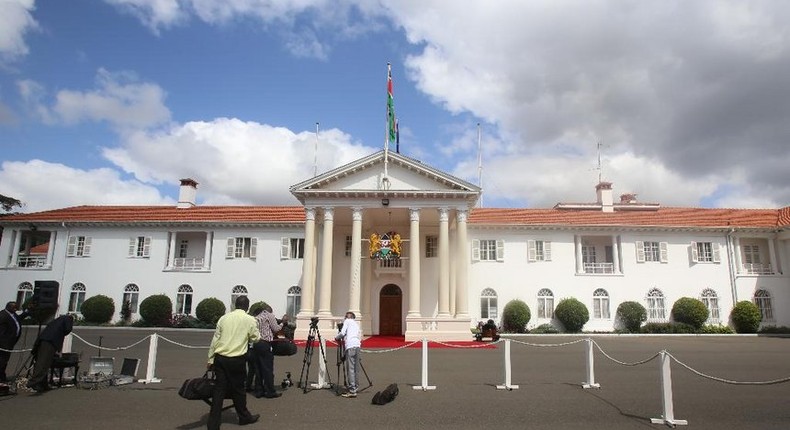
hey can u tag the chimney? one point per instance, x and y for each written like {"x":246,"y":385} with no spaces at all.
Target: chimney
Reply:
{"x":187,"y":193}
{"x":605,"y":198}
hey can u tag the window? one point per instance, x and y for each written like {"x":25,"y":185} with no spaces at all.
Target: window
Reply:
{"x":131,"y":294}
{"x":183,"y":247}
{"x":293,"y":303}
{"x":762,"y":299}
{"x":539,"y":250}
{"x":488,"y":306}
{"x":655,"y":306}
{"x":139,"y":247}
{"x":705,"y":252}
{"x":184,"y":300}
{"x":431,"y":246}
{"x":751,"y":254}
{"x":238,"y":291}
{"x":588,"y":254}
{"x":78,"y":246}
{"x":545,"y":304}
{"x":292,"y":248}
{"x":651,"y":251}
{"x":600,"y":304}
{"x":488,"y":250}
{"x":242,"y":247}
{"x":348,"y":246}
{"x":23,"y":293}
{"x":76,"y":297}
{"x":711,"y":302}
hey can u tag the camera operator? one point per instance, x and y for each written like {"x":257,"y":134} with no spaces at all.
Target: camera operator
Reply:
{"x":352,"y":337}
{"x":268,"y":326}
{"x":49,"y":343}
{"x":10,"y":330}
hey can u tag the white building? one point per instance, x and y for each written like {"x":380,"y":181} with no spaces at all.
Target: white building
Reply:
{"x":459,"y":264}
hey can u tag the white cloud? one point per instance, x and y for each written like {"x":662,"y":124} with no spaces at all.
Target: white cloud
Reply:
{"x":233,"y":160}
{"x":16,"y":19}
{"x":41,"y":185}
{"x":155,"y":14}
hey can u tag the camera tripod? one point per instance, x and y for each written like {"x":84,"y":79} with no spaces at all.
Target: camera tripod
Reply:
{"x":341,"y":359}
{"x":308,"y":354}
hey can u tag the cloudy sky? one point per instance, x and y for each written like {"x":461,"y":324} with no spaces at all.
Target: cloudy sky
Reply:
{"x":111,"y":102}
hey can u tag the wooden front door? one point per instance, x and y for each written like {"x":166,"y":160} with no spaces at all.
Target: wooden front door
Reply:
{"x":390,"y":302}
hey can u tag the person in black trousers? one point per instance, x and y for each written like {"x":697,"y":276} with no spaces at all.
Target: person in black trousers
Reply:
{"x":10,"y":330}
{"x":49,"y":342}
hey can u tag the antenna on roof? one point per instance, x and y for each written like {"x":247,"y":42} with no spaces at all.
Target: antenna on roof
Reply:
{"x":315,"y":153}
{"x":480,"y":163}
{"x":599,"y":168}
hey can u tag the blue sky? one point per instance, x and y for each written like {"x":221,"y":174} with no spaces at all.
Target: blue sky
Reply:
{"x":111,"y":102}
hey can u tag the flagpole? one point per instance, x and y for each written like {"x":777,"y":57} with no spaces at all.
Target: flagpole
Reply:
{"x":387,"y":127}
{"x":480,"y":163}
{"x":315,"y":153}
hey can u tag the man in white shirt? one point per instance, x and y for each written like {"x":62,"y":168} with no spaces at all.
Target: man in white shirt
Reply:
{"x":352,"y":337}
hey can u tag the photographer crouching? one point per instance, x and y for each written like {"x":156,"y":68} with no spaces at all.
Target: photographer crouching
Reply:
{"x":351,"y":336}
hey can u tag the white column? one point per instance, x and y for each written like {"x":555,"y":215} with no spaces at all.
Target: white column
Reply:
{"x":462,"y":263}
{"x":616,"y":254}
{"x":307,"y":263}
{"x":772,"y":256}
{"x":367,"y":323}
{"x":444,"y":262}
{"x":15,"y":250}
{"x":736,"y":244}
{"x":579,"y":262}
{"x":172,"y":255}
{"x":206,"y":251}
{"x":51,"y":249}
{"x":325,"y":293}
{"x":414,"y":263}
{"x":356,"y":251}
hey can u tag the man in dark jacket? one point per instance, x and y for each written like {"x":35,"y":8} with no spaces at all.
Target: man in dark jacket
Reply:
{"x":49,"y":342}
{"x":10,"y":330}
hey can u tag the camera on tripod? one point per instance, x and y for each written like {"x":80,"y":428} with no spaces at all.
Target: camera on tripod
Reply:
{"x":314,"y":322}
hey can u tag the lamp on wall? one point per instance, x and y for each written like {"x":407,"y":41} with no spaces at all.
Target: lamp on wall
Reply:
{"x":385,"y":202}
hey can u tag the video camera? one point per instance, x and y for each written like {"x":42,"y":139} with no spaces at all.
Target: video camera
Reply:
{"x":314,"y":322}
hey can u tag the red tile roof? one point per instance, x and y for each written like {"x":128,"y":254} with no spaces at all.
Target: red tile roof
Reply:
{"x":663,"y":217}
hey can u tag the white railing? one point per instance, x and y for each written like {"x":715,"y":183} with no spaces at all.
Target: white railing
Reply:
{"x":598,"y":267}
{"x":758,"y":269}
{"x":394,"y":263}
{"x":188,"y":263}
{"x":31,"y":261}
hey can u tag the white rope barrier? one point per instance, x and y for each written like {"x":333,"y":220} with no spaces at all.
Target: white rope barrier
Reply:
{"x":183,"y":345}
{"x":727,"y":381}
{"x":104,"y":348}
{"x":548,"y":345}
{"x":623,"y":363}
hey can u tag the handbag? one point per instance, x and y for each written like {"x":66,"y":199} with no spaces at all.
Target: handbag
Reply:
{"x":198,"y":388}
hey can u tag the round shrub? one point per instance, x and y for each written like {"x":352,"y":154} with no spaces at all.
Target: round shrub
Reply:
{"x":256,"y":307}
{"x":156,"y":310}
{"x":746,"y":317}
{"x":631,"y":315}
{"x":515,"y":317}
{"x":690,"y":311}
{"x":98,"y":309}
{"x":209,"y":310}
{"x":572,"y":314}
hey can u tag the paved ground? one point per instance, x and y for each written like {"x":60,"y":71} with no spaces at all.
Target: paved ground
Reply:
{"x":549,"y":394}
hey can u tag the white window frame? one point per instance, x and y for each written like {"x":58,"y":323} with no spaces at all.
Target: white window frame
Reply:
{"x":77,"y":297}
{"x":762,"y":299}
{"x":601,"y":301}
{"x":545,"y":304}
{"x":489,"y":308}
{"x":241,"y":247}
{"x":431,"y":246}
{"x":238,"y":291}
{"x":139,"y":247}
{"x":656,"y":306}
{"x":183,"y":248}
{"x":711,"y":301}
{"x":488,"y":250}
{"x":79,"y":246}
{"x":538,"y":250}
{"x":651,"y":251}
{"x":292,"y":248}
{"x":23,"y":293}
{"x":293,"y":301}
{"x":705,"y":252}
{"x":131,"y":293}
{"x":184,"y":300}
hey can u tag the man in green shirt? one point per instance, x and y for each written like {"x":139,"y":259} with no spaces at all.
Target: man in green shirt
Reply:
{"x":226,"y":356}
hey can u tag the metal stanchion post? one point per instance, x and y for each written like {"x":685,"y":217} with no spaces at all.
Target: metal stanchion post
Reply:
{"x":590,"y":367}
{"x":425,"y":386}
{"x":507,"y":385}
{"x":668,"y":417}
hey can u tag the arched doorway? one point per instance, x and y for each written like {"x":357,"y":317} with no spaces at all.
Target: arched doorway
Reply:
{"x":390,"y":302}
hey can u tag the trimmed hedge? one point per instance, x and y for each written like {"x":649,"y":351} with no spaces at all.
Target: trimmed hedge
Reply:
{"x":690,"y":311}
{"x":572,"y":314}
{"x":631,"y":315}
{"x":209,"y":310}
{"x":98,"y":309}
{"x":515,"y":317}
{"x":156,"y":310}
{"x":668,"y":328}
{"x":746,"y":317}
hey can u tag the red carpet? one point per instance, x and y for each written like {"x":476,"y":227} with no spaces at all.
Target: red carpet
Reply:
{"x":399,"y":342}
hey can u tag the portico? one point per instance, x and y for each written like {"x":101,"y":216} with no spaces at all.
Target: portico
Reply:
{"x":421,"y":288}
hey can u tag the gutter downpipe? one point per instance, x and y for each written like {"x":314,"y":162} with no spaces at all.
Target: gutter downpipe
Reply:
{"x":731,"y":266}
{"x":63,"y":271}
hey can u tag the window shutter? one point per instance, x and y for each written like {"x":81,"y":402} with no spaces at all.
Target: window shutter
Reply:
{"x":71,"y":248}
{"x":253,"y":247}
{"x":663,"y":250}
{"x":531,"y":251}
{"x":640,"y":251}
{"x":146,"y":247}
{"x":500,"y":250}
{"x":546,"y":250}
{"x":132,"y":246}
{"x":231,"y":248}
{"x":475,"y":250}
{"x":86,"y":248}
{"x":285,"y":248}
{"x":716,"y":253}
{"x":694,"y":253}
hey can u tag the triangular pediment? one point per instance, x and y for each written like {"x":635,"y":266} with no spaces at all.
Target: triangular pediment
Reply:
{"x":385,"y":174}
